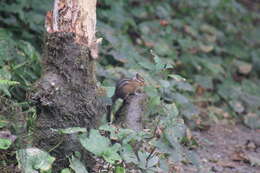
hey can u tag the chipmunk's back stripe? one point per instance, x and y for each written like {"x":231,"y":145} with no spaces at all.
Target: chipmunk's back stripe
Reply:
{"x":122,"y":83}
{"x":140,"y":80}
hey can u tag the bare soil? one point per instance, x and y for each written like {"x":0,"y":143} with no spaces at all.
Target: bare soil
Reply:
{"x":227,"y":149}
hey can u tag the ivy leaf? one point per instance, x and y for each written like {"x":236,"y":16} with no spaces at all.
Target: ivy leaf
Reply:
{"x":66,"y":170}
{"x":120,"y":169}
{"x":3,"y":122}
{"x":70,"y":130}
{"x":6,"y":139}
{"x":95,"y":143}
{"x":77,"y":165}
{"x":5,"y":143}
{"x":32,"y":160}
{"x":110,"y":91}
{"x":100,"y":146}
{"x":152,"y":161}
{"x":252,"y":120}
{"x":177,"y":77}
{"x":111,"y":155}
{"x":128,"y":154}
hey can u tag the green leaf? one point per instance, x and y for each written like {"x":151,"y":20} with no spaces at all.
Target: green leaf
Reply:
{"x":228,"y":90}
{"x":70,"y":130}
{"x":124,"y":133}
{"x":111,"y":155}
{"x":177,"y":77}
{"x":100,"y":146}
{"x":146,"y":163}
{"x":172,"y":110}
{"x":110,"y":91}
{"x":5,"y":81}
{"x":252,"y":120}
{"x":120,"y":169}
{"x":128,"y":154}
{"x":142,"y":159}
{"x":77,"y":165}
{"x":164,"y":166}
{"x":147,"y":65}
{"x":183,"y":86}
{"x":204,"y":81}
{"x":66,"y":170}
{"x":151,"y":91}
{"x":237,"y":106}
{"x":5,"y":143}
{"x":153,"y":161}
{"x":8,"y":82}
{"x":31,"y":160}
{"x":3,"y":123}
{"x":95,"y":143}
{"x":180,"y":99}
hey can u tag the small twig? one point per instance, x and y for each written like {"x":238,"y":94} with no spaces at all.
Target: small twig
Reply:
{"x":56,"y":146}
{"x":151,"y":153}
{"x":155,"y":129}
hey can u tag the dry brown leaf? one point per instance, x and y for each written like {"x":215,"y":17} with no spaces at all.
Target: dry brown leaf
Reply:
{"x":226,"y":164}
{"x":239,"y":156}
{"x":245,"y":68}
{"x":164,"y":22}
{"x":206,"y":48}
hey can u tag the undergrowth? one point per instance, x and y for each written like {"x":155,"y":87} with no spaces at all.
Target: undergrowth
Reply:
{"x":200,"y":60}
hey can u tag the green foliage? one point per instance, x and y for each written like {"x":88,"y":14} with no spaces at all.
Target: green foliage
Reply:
{"x":120,"y":169}
{"x":70,"y":130}
{"x":33,"y":160}
{"x":100,"y":146}
{"x":191,"y":53}
{"x":77,"y":166}
{"x":5,"y":143}
{"x":24,"y":18}
{"x":19,"y":64}
{"x":66,"y":170}
{"x":211,"y":43}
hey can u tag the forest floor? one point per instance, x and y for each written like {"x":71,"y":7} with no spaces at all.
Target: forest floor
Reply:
{"x":227,"y":149}
{"x":223,"y":148}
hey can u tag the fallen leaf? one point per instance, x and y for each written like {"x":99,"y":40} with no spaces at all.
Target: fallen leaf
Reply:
{"x":200,"y":90}
{"x":239,"y":156}
{"x":226,"y":164}
{"x":149,"y":44}
{"x":206,"y":48}
{"x":164,"y":22}
{"x":243,"y":67}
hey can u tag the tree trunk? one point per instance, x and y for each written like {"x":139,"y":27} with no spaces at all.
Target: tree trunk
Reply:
{"x":130,"y":114}
{"x":67,"y":94}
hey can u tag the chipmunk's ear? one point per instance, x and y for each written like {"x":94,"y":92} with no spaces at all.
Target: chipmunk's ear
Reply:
{"x":139,"y":77}
{"x":136,"y":76}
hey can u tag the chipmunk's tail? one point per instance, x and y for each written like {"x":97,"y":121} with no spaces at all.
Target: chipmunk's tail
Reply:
{"x":110,"y":108}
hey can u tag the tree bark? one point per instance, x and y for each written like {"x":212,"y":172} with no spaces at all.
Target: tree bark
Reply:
{"x":67,"y":94}
{"x":130,"y":114}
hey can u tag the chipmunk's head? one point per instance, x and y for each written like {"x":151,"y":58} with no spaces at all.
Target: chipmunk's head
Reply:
{"x":139,"y":79}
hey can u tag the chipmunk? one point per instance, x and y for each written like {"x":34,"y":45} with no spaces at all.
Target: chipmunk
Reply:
{"x":124,"y":88}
